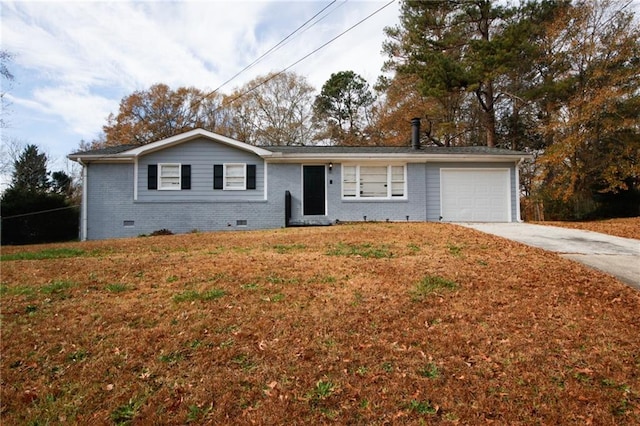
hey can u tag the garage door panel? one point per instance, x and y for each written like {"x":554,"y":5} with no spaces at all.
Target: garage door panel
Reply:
{"x":475,"y":195}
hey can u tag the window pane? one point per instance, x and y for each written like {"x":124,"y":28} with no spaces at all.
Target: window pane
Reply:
{"x":397,"y":181}
{"x":349,"y":184}
{"x":234,"y":176}
{"x":397,"y":173}
{"x":170,"y":181}
{"x":235,"y":171}
{"x":169,"y":176}
{"x":397,"y":189}
{"x":349,"y":189}
{"x":169,"y":169}
{"x":373,"y":181}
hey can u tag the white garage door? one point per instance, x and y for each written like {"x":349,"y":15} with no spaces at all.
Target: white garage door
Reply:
{"x":475,"y":195}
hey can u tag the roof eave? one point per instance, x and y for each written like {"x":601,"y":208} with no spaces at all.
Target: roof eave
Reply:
{"x":195,"y":134}
{"x":279,"y":157}
{"x":105,"y":158}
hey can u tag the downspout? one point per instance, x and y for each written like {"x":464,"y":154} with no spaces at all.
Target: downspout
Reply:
{"x":83,"y":208}
{"x":518,"y":215}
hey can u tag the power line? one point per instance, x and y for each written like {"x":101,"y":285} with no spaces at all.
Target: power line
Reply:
{"x":338,"y":36}
{"x":319,"y":20}
{"x":267,"y":52}
{"x":40,"y":212}
{"x":271,"y":77}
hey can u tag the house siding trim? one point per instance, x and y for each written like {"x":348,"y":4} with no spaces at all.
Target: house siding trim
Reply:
{"x":192,"y":135}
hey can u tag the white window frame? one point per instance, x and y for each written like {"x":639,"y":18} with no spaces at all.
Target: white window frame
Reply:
{"x":161,"y":178}
{"x":389,"y":184}
{"x":225,"y":178}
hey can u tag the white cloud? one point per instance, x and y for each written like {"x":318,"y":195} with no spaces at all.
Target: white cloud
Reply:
{"x":81,"y":110}
{"x":81,"y":58}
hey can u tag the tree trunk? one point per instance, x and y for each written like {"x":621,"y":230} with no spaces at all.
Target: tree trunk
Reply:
{"x":488,"y":114}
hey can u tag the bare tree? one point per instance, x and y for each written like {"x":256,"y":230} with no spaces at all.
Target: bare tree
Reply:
{"x":275,"y":109}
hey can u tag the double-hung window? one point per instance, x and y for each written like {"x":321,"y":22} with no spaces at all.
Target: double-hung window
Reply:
{"x":373,"y":181}
{"x":169,"y":176}
{"x":234,"y":176}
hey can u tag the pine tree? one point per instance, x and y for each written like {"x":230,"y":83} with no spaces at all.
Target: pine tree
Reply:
{"x":34,"y":209}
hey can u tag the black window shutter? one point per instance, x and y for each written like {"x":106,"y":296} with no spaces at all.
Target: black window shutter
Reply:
{"x":186,"y":177}
{"x":251,"y":176}
{"x":152,"y":176}
{"x":218,"y":175}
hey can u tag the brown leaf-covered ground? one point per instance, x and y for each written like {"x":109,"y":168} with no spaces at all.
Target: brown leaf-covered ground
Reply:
{"x":625,"y":227}
{"x":315,"y":326}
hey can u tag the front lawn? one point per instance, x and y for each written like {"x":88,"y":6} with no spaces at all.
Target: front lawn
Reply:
{"x":624,"y":227}
{"x":351,"y":324}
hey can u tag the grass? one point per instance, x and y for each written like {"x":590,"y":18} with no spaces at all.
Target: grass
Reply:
{"x":288,"y":248}
{"x":117,"y":287}
{"x":622,"y":227}
{"x":366,"y":250}
{"x":125,"y":413}
{"x":53,"y":253}
{"x":193,"y":295}
{"x":422,"y":407}
{"x":350,"y":324}
{"x":322,"y":390}
{"x":57,"y":287}
{"x":430,"y":371}
{"x":432,"y":284}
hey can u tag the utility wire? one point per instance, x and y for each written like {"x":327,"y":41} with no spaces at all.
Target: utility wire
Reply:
{"x":40,"y":212}
{"x":318,"y":21}
{"x":265,"y":53}
{"x":271,"y":77}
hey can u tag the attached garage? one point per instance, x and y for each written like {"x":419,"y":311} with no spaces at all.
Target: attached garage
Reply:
{"x":475,"y":195}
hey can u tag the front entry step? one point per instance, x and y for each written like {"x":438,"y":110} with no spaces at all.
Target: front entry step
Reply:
{"x":310,"y":222}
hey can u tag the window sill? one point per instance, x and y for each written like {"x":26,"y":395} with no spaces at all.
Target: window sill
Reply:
{"x":200,"y":201}
{"x":376,"y":200}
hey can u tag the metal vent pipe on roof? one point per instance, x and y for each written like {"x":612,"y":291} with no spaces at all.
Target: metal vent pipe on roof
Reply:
{"x":415,"y":133}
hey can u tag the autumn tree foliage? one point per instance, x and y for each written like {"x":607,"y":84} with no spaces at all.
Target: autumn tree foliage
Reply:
{"x":443,"y":122}
{"x":593,"y":125}
{"x":457,"y":50}
{"x":275,"y":109}
{"x":556,"y":78}
{"x":160,"y":112}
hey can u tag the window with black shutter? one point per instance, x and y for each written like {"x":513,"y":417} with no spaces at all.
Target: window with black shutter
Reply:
{"x":218,"y":176}
{"x":186,"y":177}
{"x":152,"y":176}
{"x":251,"y":176}
{"x":234,"y":176}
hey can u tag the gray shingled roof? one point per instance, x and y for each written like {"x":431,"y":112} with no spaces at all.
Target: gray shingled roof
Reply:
{"x":107,"y":151}
{"x":463,"y":150}
{"x":332,"y":150}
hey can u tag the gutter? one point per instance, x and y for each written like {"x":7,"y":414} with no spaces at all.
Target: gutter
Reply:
{"x":518,"y":212}
{"x":113,"y":158}
{"x":83,"y":208}
{"x":409,"y":158}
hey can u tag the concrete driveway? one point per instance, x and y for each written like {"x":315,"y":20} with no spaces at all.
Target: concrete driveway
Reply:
{"x":617,"y":256}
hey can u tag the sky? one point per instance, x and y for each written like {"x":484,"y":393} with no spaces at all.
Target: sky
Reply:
{"x":74,"y":61}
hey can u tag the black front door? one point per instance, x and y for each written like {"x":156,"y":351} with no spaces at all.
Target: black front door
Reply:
{"x":313,"y":187}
